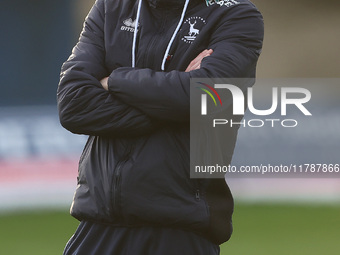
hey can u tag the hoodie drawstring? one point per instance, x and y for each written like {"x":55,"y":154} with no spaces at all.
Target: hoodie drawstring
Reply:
{"x":174,"y":34}
{"x":135,"y":35}
{"x":170,"y":42}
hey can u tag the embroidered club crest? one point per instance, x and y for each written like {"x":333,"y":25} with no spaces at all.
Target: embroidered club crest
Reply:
{"x":193,"y":26}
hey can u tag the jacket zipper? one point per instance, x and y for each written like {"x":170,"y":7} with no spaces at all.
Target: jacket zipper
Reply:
{"x":116,"y":182}
{"x":198,"y":191}
{"x":153,"y":42}
{"x":198,"y":195}
{"x":116,"y":189}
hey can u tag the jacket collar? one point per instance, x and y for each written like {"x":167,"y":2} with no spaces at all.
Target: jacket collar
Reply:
{"x":166,"y":3}
{"x":169,"y":3}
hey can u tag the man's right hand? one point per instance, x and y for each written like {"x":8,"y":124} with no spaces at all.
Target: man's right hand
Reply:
{"x":196,"y":63}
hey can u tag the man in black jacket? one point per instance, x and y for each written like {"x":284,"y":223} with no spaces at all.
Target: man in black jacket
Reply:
{"x":126,"y":85}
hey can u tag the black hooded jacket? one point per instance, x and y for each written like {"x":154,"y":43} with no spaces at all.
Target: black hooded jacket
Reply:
{"x":134,"y":170}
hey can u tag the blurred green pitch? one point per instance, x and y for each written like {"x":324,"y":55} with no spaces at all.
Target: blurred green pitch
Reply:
{"x":262,"y":229}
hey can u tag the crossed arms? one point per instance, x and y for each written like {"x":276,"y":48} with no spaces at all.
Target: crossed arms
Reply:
{"x":131,"y":101}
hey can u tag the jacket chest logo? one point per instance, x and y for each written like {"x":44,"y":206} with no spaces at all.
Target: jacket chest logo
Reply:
{"x":129,"y":25}
{"x":192,"y":27}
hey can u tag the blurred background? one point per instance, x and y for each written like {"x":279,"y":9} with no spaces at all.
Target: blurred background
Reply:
{"x":38,"y":158}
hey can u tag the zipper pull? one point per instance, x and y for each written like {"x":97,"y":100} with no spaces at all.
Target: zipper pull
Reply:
{"x":198,"y":198}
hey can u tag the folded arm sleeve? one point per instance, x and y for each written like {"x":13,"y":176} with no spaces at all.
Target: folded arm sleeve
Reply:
{"x":166,"y":95}
{"x":84,"y":106}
